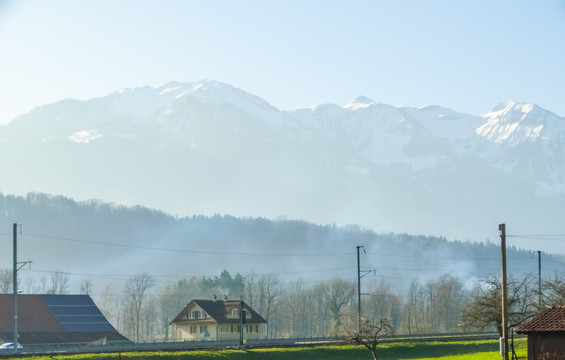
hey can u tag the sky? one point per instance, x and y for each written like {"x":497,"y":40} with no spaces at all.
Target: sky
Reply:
{"x":465,"y":55}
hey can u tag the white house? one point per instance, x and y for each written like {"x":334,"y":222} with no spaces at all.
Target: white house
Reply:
{"x":216,"y":320}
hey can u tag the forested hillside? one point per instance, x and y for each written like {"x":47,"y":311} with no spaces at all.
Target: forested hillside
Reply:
{"x":279,"y":266}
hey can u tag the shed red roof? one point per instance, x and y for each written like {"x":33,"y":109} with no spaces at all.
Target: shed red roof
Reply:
{"x":550,"y":320}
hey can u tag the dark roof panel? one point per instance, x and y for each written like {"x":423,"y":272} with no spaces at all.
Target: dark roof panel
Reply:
{"x":88,"y":327}
{"x":70,"y":300}
{"x":74,"y":310}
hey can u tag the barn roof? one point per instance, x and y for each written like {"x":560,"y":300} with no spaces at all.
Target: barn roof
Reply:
{"x":550,"y":320}
{"x":55,"y":318}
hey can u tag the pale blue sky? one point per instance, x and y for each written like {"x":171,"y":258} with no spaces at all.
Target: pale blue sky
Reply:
{"x":465,"y":55}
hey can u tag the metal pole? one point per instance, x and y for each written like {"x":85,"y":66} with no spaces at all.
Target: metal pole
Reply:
{"x":15,"y":280}
{"x":502,"y":228}
{"x":241,"y":321}
{"x":358,"y":291}
{"x":540,"y":300}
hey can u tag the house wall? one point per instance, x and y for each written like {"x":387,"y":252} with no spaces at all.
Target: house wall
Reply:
{"x":231,"y":331}
{"x":182,"y":332}
{"x":540,"y":344}
{"x":194,"y":331}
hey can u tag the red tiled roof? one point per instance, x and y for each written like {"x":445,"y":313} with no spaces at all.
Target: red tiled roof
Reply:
{"x":550,"y":320}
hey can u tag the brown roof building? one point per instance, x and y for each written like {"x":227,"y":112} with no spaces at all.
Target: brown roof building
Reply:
{"x":546,"y":334}
{"x":55,"y":319}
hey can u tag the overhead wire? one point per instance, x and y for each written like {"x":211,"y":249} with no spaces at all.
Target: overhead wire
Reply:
{"x":120,"y":277}
{"x":184,"y":250}
{"x":301,"y":254}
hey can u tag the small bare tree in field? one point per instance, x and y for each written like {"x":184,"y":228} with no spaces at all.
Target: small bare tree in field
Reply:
{"x":370,"y":335}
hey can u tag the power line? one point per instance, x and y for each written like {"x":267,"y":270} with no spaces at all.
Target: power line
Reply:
{"x":125,"y":276}
{"x":183,"y":250}
{"x":544,"y":237}
{"x":100,"y":243}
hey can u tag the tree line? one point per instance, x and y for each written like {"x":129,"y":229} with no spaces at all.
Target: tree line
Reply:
{"x":142,"y":311}
{"x":411,"y":298}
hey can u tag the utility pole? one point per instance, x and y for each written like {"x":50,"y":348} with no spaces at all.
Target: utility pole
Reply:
{"x":359,"y":276}
{"x":359,"y":289}
{"x":540,"y":300}
{"x":15,"y":284}
{"x":15,"y":280}
{"x":504,"y":339}
{"x":241,"y":317}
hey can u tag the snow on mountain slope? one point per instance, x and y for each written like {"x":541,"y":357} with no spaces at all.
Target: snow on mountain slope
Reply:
{"x":527,"y":141}
{"x":377,"y":132}
{"x":384,"y":134}
{"x":144,"y":102}
{"x":207,"y":147}
{"x":514,"y":123}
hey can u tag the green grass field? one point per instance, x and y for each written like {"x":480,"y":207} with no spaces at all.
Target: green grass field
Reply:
{"x":456,"y":350}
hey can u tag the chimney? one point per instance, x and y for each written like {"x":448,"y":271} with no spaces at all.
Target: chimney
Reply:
{"x":214,"y":298}
{"x":225,"y":298}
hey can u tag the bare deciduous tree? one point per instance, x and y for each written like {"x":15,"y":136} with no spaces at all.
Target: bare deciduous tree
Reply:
{"x":382,"y":303}
{"x":555,"y":290}
{"x":337,"y":293}
{"x":295,"y":306}
{"x":85,"y":286}
{"x":269,"y":288}
{"x":59,"y":283}
{"x":6,"y":281}
{"x":485,"y":308}
{"x":136,"y":287}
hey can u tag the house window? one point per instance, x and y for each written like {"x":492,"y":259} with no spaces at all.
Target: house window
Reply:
{"x":194,"y":315}
{"x":235,"y":313}
{"x":197,"y":314}
{"x":234,"y":329}
{"x":203,"y":328}
{"x":224,"y":328}
{"x":193,"y":329}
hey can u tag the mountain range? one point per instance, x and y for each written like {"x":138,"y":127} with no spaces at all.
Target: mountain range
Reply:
{"x":209,"y":148}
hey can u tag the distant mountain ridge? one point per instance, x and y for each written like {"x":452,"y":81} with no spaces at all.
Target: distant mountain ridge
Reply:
{"x":109,"y":243}
{"x":207,"y":147}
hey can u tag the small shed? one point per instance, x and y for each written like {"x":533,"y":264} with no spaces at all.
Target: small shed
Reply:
{"x":546,"y":334}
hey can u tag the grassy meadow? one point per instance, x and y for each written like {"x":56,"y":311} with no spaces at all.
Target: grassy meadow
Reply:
{"x":456,"y":350}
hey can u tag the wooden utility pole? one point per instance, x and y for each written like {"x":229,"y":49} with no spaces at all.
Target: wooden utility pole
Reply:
{"x":504,"y":339}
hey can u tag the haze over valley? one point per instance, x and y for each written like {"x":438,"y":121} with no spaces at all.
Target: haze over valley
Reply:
{"x":285,"y":152}
{"x":207,"y":148}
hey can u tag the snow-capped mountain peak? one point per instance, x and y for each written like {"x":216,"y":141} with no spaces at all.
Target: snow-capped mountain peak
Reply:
{"x":359,"y":103}
{"x":207,"y":147}
{"x":514,"y":123}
